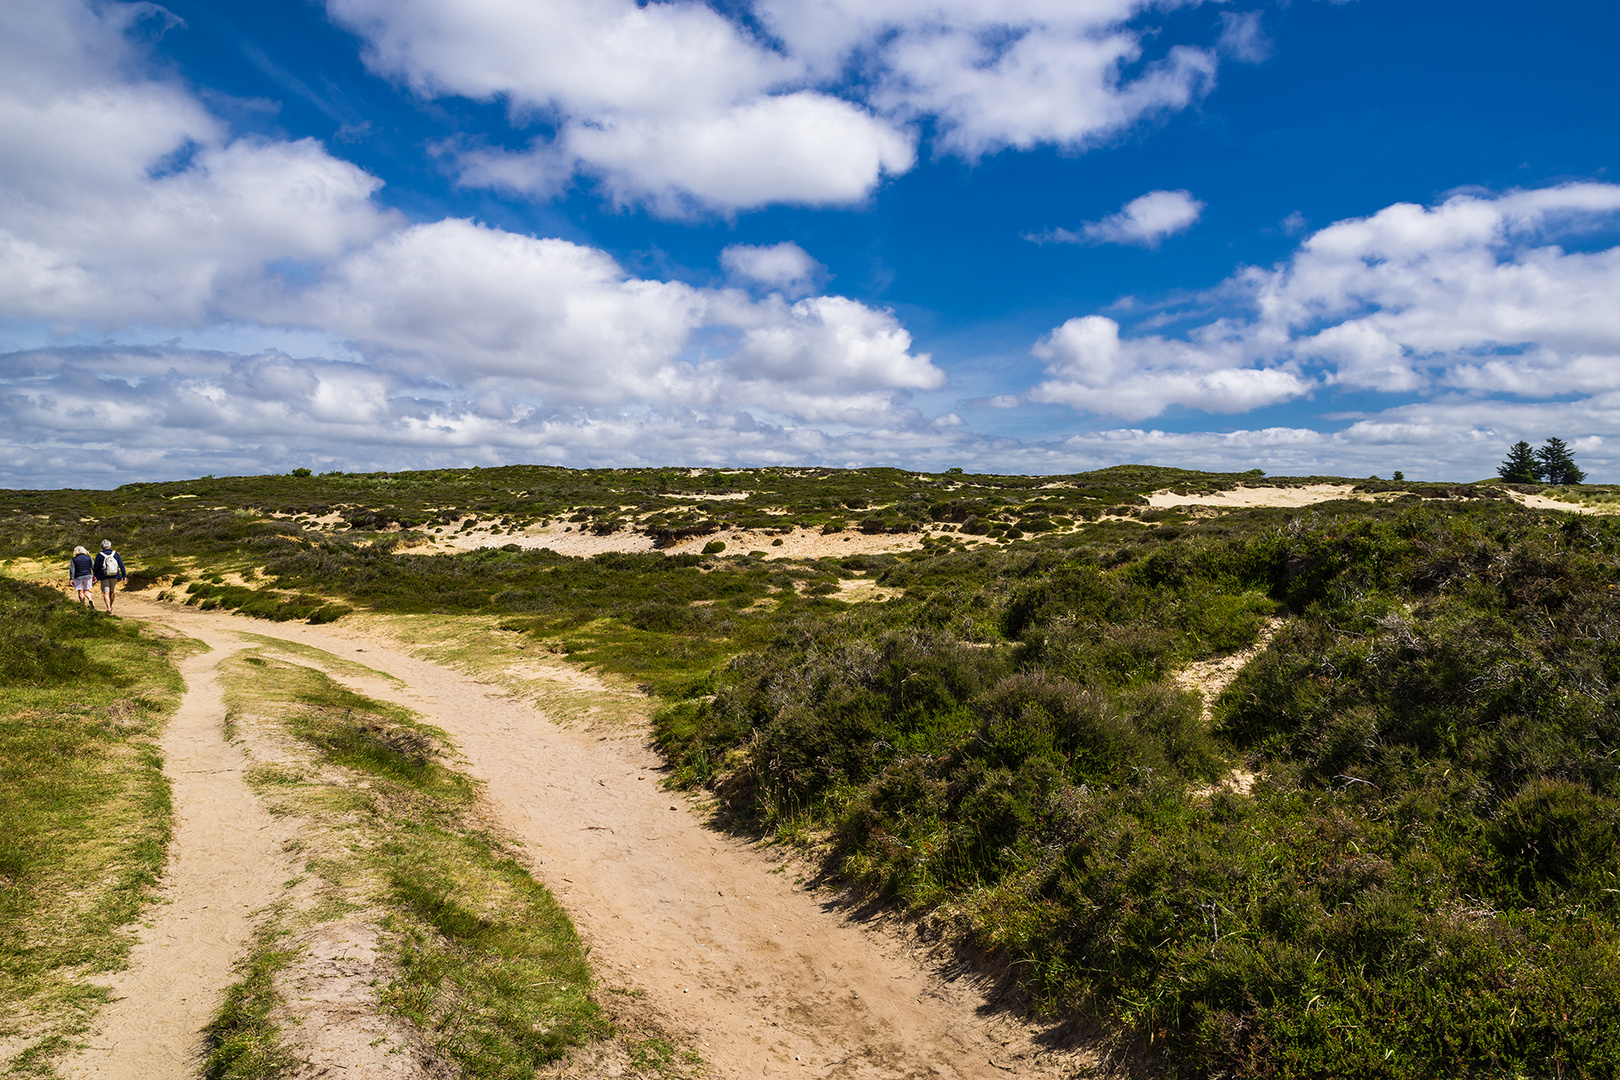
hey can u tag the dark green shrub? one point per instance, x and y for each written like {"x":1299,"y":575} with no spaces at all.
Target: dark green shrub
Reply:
{"x":1554,"y":831}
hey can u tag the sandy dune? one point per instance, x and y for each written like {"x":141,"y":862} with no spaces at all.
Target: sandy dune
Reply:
{"x":580,"y":543}
{"x":1310,"y":494}
{"x":1259,"y":496}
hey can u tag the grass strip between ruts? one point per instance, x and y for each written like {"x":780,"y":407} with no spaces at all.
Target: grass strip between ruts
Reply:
{"x":481,"y":969}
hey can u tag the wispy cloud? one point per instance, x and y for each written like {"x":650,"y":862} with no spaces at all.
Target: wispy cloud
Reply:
{"x":1145,"y":221}
{"x":786,"y":267}
{"x":1242,"y":38}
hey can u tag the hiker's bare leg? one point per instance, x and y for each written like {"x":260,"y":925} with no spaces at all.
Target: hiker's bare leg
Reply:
{"x":107,"y":590}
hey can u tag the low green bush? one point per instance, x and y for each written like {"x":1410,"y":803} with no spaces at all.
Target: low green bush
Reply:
{"x":1435,"y":815}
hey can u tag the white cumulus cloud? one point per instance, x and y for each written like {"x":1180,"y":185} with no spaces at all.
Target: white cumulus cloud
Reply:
{"x":679,"y":107}
{"x":125,"y":200}
{"x":564,"y":324}
{"x":1090,"y":368}
{"x":667,"y":103}
{"x":1012,"y":73}
{"x":127,"y":207}
{"x":1471,"y":295}
{"x":99,"y":416}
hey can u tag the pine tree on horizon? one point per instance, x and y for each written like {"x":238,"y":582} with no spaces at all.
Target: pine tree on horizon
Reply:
{"x":1522,"y":466}
{"x":1556,"y":463}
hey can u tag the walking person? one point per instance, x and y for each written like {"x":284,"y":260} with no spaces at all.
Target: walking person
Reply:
{"x":109,"y":571}
{"x":82,"y":572}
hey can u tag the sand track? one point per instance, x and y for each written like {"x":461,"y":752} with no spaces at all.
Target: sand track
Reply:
{"x":764,"y":976}
{"x":225,"y":862}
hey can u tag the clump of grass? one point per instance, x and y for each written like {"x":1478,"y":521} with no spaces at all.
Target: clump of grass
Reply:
{"x":484,"y":969}
{"x":244,"y":1042}
{"x":490,"y":968}
{"x":85,"y":816}
{"x":271,"y":604}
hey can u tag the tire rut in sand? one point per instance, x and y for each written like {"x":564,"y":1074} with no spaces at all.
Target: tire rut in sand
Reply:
{"x":764,"y":976}
{"x":225,"y":862}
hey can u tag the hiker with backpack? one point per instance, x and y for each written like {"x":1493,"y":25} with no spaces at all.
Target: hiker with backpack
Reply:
{"x":82,"y":571}
{"x":109,"y":571}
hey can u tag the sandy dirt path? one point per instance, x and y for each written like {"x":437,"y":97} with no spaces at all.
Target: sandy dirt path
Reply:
{"x":225,"y":862}
{"x":765,"y":977}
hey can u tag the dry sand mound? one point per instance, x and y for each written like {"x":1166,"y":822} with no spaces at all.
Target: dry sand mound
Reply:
{"x":1310,"y":494}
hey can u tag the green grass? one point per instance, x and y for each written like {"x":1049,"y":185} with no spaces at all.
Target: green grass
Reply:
{"x":490,"y":968}
{"x":238,"y":521}
{"x":244,"y":1042}
{"x":489,"y":975}
{"x":334,"y":665}
{"x":85,"y":817}
{"x":273,"y":604}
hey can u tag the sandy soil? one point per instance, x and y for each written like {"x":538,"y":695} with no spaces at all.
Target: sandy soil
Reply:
{"x":1542,"y":502}
{"x":572,"y":540}
{"x":1316,"y":493}
{"x":225,"y":862}
{"x":1210,"y":678}
{"x":1259,"y":496}
{"x":765,"y":975}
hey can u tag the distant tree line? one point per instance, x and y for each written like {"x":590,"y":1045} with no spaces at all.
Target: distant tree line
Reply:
{"x":1553,"y":463}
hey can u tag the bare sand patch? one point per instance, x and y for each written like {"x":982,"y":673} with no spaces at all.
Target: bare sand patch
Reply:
{"x":860,"y":590}
{"x":580,"y":542}
{"x":1242,"y":497}
{"x":331,"y":1021}
{"x":1545,"y":502}
{"x":1210,"y":678}
{"x":1309,"y":494}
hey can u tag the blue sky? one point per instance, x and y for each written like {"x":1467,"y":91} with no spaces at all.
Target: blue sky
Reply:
{"x":1013,"y":235}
